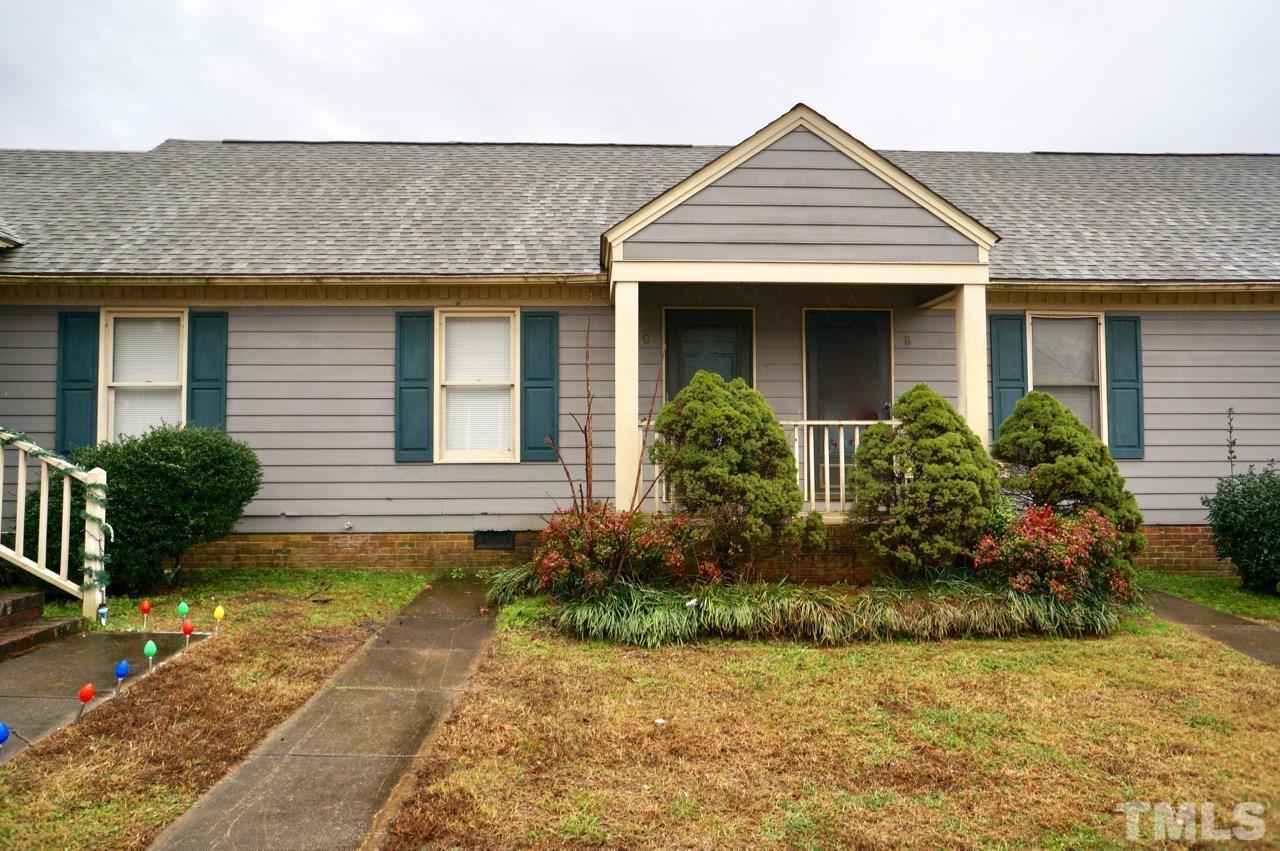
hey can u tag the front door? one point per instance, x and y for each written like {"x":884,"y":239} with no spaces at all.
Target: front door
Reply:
{"x":847,"y":360}
{"x":717,"y":341}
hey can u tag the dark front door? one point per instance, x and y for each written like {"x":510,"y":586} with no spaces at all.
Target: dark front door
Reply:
{"x":718,"y":341}
{"x":847,"y":360}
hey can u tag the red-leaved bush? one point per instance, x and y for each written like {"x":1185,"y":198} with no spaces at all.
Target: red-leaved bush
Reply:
{"x":1066,"y":558}
{"x":585,"y":549}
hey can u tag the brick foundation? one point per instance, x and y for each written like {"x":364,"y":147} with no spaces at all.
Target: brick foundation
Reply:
{"x":1183,"y":549}
{"x":373,"y":551}
{"x":847,"y":558}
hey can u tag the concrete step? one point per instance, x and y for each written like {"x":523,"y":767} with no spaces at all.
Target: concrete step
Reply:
{"x":20,"y":606}
{"x":27,"y":635}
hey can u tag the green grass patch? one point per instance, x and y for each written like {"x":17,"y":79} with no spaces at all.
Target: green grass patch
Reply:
{"x":1222,"y":593}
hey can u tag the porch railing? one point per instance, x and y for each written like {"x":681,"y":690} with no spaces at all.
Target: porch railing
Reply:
{"x":52,"y":467}
{"x":823,"y":450}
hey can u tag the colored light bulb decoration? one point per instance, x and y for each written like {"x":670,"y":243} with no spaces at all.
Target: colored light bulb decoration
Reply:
{"x":183,"y":608}
{"x":85,"y":695}
{"x":149,"y":650}
{"x":122,"y":671}
{"x":4,"y":734}
{"x":187,"y":628}
{"x":218,"y":614}
{"x":145,"y":608}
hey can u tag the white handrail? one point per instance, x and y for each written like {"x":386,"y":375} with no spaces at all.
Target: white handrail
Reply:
{"x":820,"y":473}
{"x":95,"y":481}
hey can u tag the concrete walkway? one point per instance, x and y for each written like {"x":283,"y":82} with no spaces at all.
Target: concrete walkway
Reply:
{"x":1260,"y":641}
{"x":322,"y":777}
{"x":38,"y":689}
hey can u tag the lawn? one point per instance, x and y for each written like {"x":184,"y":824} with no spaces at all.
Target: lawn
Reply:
{"x":1216,"y":592}
{"x":135,"y":763}
{"x":968,"y":743}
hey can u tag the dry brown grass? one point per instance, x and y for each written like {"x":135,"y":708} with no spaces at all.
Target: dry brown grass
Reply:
{"x":136,"y":762}
{"x":952,"y":744}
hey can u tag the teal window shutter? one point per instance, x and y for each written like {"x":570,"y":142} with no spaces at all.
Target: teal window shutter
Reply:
{"x":1008,"y":365}
{"x":414,"y":373}
{"x":76,"y":408}
{"x":207,"y":369}
{"x":1124,"y":387}
{"x":539,"y":384}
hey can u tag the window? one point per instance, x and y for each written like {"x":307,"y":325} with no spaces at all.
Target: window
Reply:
{"x":476,"y":365}
{"x":144,"y":367}
{"x":1066,"y":362}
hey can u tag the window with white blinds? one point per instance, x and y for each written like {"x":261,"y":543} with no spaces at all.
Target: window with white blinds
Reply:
{"x":1066,"y":363}
{"x":145,"y":357}
{"x":477,"y":384}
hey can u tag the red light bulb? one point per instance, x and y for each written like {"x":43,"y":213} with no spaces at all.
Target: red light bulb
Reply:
{"x":187,"y":627}
{"x":86,"y":693}
{"x":145,"y":607}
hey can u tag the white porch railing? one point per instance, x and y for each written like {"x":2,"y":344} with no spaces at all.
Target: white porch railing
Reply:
{"x":823,"y":450}
{"x":50,"y":467}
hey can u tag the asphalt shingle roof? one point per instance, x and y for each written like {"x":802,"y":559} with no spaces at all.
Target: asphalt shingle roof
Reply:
{"x":287,"y":208}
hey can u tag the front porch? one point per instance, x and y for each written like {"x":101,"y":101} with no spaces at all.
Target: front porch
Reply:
{"x":829,"y":359}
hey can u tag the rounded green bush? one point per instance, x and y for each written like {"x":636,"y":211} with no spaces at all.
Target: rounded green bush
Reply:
{"x":727,"y":463}
{"x":1243,"y":513}
{"x":924,"y":489}
{"x":1055,"y":460}
{"x":167,"y":490}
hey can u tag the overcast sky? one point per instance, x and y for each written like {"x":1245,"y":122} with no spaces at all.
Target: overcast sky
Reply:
{"x":1124,"y":75}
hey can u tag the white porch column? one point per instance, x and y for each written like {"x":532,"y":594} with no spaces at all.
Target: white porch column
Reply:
{"x":626,"y":390}
{"x":971,"y":357}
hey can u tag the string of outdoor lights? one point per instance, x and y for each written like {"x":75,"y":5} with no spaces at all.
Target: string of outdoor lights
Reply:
{"x":123,"y":669}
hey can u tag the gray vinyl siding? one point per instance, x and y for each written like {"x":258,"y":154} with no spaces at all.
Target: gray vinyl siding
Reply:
{"x":28,"y":384}
{"x":800,"y":199}
{"x":923,"y":341}
{"x":311,"y":390}
{"x":1195,"y":365}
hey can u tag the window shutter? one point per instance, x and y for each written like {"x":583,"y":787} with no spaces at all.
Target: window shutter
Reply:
{"x":414,"y":365}
{"x":76,"y":416}
{"x":1008,"y":365}
{"x":1124,"y":387}
{"x":539,"y":384}
{"x":207,"y":369}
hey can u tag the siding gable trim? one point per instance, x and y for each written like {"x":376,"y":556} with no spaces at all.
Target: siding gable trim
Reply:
{"x":799,"y":117}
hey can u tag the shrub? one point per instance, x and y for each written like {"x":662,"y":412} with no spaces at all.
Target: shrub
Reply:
{"x":1045,"y":554}
{"x":167,"y":490}
{"x":1243,"y":513}
{"x":728,"y":467}
{"x":923,"y":490}
{"x":584,"y":550}
{"x":1055,"y":460}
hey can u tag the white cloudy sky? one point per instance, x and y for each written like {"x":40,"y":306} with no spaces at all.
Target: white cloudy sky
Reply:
{"x":980,"y":74}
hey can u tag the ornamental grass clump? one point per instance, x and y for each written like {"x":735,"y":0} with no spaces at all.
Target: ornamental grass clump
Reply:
{"x":730,"y":472}
{"x":923,"y":489}
{"x":829,"y":615}
{"x":1053,"y":459}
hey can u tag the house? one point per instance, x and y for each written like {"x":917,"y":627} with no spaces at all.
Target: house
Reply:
{"x":397,"y":329}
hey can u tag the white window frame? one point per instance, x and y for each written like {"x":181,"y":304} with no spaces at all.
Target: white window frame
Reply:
{"x":511,"y":455}
{"x":1103,"y":428}
{"x":107,"y":385}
